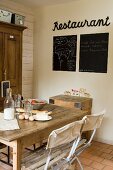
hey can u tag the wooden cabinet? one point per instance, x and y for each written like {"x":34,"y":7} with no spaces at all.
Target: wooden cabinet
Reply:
{"x":68,"y":101}
{"x":12,"y":64}
{"x":11,"y":55}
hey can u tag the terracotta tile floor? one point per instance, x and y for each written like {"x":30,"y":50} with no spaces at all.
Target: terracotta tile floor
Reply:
{"x":99,"y":156}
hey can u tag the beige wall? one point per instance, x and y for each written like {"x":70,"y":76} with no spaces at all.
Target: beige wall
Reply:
{"x":48,"y":83}
{"x":27,"y":58}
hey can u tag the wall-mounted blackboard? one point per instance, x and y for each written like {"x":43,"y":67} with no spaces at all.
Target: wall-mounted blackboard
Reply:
{"x":93,"y":52}
{"x":64,"y":53}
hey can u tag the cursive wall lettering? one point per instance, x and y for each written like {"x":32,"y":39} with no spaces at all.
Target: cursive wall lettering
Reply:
{"x":71,"y":25}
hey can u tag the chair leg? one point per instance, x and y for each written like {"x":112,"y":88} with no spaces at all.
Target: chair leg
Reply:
{"x":79,"y":163}
{"x":74,"y":146}
{"x":48,"y":160}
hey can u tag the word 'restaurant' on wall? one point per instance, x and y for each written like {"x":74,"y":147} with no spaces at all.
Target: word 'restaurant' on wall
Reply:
{"x":79,"y":24}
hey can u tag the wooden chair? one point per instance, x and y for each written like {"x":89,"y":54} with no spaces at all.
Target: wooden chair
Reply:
{"x":60,"y":142}
{"x":64,"y":145}
{"x":92,"y":123}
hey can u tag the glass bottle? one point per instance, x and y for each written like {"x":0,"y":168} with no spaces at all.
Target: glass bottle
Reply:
{"x":9,"y":113}
{"x":17,"y":101}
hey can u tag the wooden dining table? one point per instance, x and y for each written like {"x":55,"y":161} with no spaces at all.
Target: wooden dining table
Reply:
{"x":32,"y":132}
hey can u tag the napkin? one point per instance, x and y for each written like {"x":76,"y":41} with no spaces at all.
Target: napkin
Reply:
{"x":8,"y":124}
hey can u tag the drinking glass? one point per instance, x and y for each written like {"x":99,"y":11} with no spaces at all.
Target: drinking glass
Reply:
{"x":28,"y":108}
{"x":17,"y":104}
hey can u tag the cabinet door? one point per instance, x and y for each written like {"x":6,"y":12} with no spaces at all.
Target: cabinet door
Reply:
{"x":1,"y":59}
{"x":12,"y":61}
{"x":1,"y":67}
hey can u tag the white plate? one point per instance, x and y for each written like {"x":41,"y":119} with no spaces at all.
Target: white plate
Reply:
{"x":37,"y":118}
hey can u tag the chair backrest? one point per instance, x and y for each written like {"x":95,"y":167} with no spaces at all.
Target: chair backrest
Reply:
{"x":65,"y":134}
{"x":92,"y":121}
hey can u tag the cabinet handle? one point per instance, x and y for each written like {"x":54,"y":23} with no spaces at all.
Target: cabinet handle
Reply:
{"x":11,"y":37}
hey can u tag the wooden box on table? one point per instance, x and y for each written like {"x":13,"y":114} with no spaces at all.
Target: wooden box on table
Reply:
{"x":69,"y":101}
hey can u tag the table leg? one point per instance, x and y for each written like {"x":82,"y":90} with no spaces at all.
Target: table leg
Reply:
{"x":17,"y":152}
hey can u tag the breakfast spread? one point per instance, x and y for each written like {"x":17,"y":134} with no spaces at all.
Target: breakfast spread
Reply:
{"x":34,"y":114}
{"x":39,"y":115}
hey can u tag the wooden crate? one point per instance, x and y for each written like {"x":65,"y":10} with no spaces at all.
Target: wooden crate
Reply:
{"x":82,"y":103}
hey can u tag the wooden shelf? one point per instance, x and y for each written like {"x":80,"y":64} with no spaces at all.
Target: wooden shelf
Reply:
{"x":14,"y":26}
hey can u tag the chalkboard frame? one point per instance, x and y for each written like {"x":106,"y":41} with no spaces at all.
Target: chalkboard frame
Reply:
{"x":93,"y":52}
{"x":64,"y":52}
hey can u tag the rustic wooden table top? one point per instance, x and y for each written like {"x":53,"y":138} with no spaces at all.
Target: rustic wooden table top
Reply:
{"x":60,"y":117}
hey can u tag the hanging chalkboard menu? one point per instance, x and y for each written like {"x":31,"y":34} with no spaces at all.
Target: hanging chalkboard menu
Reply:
{"x":93,"y":52}
{"x":64,"y":53}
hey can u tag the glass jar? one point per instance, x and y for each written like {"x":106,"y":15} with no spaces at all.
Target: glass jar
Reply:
{"x":9,"y":112}
{"x":28,"y":107}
